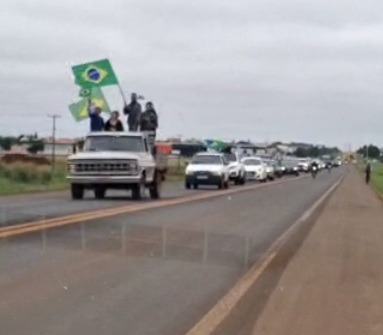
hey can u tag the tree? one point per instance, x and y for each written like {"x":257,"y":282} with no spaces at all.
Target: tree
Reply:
{"x":7,"y":142}
{"x":371,"y":151}
{"x":35,"y":146}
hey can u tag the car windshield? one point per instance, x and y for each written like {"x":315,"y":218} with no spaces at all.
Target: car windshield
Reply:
{"x":114,"y":143}
{"x":252,"y":161}
{"x":207,"y":159}
{"x":231,"y":157}
{"x":290,"y":163}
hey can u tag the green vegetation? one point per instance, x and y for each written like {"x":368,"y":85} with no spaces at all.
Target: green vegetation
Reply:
{"x":316,"y":151}
{"x":33,"y":143}
{"x":19,"y":177}
{"x":371,"y":151}
{"x":377,"y":177}
{"x":23,"y":177}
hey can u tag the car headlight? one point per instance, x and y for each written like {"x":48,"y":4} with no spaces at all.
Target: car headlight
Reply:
{"x":188,"y":172}
{"x":295,"y":168}
{"x":217,"y":173}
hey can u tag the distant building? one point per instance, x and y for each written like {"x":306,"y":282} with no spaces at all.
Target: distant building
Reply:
{"x":63,"y":146}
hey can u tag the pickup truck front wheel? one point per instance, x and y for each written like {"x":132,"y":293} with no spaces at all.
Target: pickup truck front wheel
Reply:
{"x":77,"y":191}
{"x":138,"y":190}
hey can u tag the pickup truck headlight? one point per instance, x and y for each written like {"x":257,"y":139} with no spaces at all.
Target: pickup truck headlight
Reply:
{"x":71,"y":168}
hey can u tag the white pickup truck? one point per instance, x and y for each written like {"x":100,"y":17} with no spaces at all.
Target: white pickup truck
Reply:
{"x":117,"y":160}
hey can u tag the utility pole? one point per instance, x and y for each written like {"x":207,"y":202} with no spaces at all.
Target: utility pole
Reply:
{"x":54,"y":117}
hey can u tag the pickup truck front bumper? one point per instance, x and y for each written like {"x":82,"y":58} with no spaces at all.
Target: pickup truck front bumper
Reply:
{"x":103,"y":180}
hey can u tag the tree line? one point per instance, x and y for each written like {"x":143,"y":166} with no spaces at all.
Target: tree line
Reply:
{"x":316,"y":151}
{"x":371,"y":151}
{"x":33,"y":143}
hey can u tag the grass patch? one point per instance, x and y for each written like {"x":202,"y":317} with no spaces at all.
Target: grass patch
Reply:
{"x":19,"y":178}
{"x":377,"y":176}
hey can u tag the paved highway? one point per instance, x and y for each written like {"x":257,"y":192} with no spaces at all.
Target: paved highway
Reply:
{"x":152,"y":272}
{"x":22,"y":208}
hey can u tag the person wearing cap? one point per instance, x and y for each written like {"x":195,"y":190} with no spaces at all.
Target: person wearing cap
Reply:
{"x":133,"y":111}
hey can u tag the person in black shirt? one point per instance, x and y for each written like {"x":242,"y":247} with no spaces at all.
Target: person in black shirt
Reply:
{"x":133,"y":111}
{"x":149,"y":118}
{"x":114,"y":123}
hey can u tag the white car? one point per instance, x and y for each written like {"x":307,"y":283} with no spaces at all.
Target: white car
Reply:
{"x":270,"y":168}
{"x":237,"y":171}
{"x":255,"y":169}
{"x":207,"y":168}
{"x":304,"y":165}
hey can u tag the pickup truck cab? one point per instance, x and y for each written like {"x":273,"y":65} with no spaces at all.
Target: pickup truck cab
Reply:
{"x":207,"y":168}
{"x":116,"y":160}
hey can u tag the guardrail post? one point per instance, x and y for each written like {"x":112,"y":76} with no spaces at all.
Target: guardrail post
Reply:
{"x":205,"y":244}
{"x":164,"y":241}
{"x":83,"y":237}
{"x":123,"y":239}
{"x":247,"y":251}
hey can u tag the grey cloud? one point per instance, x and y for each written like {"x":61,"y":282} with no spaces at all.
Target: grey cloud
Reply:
{"x":265,"y":69}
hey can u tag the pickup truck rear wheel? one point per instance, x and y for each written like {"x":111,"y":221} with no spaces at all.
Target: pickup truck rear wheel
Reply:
{"x":77,"y":191}
{"x":156,"y":186}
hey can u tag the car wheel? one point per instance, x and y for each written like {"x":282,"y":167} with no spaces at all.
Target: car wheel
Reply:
{"x":138,"y":190}
{"x":99,"y":192}
{"x":226,"y":185}
{"x":187,"y":186}
{"x":195,"y":186}
{"x":238,"y":180}
{"x":77,"y":191}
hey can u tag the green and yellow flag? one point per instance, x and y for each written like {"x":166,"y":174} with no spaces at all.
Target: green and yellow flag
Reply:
{"x":95,"y":74}
{"x":79,"y":110}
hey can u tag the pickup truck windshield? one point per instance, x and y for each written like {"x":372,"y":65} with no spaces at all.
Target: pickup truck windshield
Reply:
{"x":114,"y":143}
{"x":206,"y":159}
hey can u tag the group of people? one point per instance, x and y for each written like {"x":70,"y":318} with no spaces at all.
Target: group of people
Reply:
{"x":137,"y":119}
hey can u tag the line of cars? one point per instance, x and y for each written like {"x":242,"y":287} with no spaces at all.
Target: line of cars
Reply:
{"x":220,"y":169}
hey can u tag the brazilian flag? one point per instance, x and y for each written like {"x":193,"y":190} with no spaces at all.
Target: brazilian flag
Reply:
{"x":79,"y":109}
{"x":95,"y":74}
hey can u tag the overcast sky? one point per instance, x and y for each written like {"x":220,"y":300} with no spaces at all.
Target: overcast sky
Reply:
{"x":259,"y":69}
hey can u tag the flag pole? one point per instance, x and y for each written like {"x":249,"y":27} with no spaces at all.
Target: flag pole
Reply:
{"x":122,"y":94}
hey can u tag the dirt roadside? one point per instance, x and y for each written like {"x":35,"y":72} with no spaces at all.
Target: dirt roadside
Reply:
{"x":334,"y":283}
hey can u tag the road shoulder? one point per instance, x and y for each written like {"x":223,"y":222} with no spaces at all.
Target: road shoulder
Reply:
{"x":334,"y":283}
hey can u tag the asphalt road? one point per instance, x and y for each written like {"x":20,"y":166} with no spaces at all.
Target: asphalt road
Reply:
{"x":154,"y":272}
{"x":22,"y":208}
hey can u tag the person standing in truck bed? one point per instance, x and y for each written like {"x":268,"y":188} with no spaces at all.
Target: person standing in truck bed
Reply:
{"x":96,"y":121}
{"x":114,"y":123}
{"x":149,"y":123}
{"x":133,"y":111}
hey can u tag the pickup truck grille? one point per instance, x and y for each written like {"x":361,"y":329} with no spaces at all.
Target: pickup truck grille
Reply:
{"x":124,"y":166}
